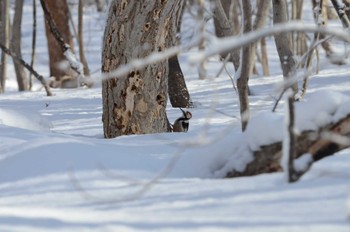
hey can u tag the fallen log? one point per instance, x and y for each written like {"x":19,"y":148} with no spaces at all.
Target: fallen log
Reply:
{"x":319,"y":142}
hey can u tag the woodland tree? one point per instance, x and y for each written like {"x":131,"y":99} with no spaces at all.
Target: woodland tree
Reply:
{"x":16,"y":46}
{"x":177,"y":89}
{"x":284,"y":42}
{"x":135,"y":103}
{"x":4,"y":39}
{"x":246,"y":65}
{"x":60,"y":15}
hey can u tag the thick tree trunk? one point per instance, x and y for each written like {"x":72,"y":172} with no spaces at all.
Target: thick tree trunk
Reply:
{"x":4,"y":39}
{"x":60,"y":15}
{"x":284,"y":42}
{"x":267,"y":159}
{"x":135,"y":103}
{"x":16,"y":46}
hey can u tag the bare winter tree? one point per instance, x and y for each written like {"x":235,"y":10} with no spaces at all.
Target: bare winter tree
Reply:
{"x":16,"y":46}
{"x":81,"y":38}
{"x":33,"y":44}
{"x":177,"y":89}
{"x":4,"y":39}
{"x":60,"y":15}
{"x":246,"y":65}
{"x":224,"y":26}
{"x":284,"y":42}
{"x":135,"y":103}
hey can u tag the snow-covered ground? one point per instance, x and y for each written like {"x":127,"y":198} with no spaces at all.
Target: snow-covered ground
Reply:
{"x":57,"y":173}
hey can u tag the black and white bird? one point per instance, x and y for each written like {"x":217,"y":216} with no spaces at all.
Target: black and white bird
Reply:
{"x":181,"y":124}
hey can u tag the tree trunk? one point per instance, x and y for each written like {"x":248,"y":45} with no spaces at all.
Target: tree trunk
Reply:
{"x":264,"y":57}
{"x":284,"y":42}
{"x":245,"y":66}
{"x":81,"y":38}
{"x":60,"y":15}
{"x":33,"y":45}
{"x":224,"y":28}
{"x":178,"y":93}
{"x":136,"y":103}
{"x":300,"y":43}
{"x":177,"y":89}
{"x":4,"y":39}
{"x":100,"y":5}
{"x":16,"y":46}
{"x":263,"y":7}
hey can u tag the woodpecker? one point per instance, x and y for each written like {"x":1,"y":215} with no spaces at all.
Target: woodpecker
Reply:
{"x":181,"y":124}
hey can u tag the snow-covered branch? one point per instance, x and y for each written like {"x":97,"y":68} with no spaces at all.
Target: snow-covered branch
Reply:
{"x":222,"y":45}
{"x":233,"y":42}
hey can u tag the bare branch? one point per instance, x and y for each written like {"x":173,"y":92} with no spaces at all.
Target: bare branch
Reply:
{"x":29,"y":68}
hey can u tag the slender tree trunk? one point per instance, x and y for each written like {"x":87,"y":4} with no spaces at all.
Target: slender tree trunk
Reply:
{"x":263,"y":7}
{"x":4,"y":39}
{"x":224,"y":28}
{"x":264,"y":57}
{"x":135,"y":103}
{"x":245,"y":67}
{"x":284,"y":42}
{"x":81,"y":39}
{"x":199,"y":6}
{"x":33,"y":44}
{"x":16,"y":46}
{"x":300,"y":45}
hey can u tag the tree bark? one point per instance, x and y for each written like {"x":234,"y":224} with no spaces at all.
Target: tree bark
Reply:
{"x":177,"y":89}
{"x":264,"y":57}
{"x":60,"y":15}
{"x":81,"y":38}
{"x":224,"y":28}
{"x":4,"y":39}
{"x":178,"y":92}
{"x":340,"y":9}
{"x":33,"y":45}
{"x":16,"y":46}
{"x":263,"y":7}
{"x":135,"y":103}
{"x":246,"y":67}
{"x":284,"y":42}
{"x":267,"y":159}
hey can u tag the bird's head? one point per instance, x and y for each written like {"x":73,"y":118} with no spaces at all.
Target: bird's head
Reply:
{"x":186,"y":114}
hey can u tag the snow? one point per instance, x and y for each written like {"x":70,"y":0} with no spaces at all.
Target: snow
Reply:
{"x":303,"y":162}
{"x":57,"y":173}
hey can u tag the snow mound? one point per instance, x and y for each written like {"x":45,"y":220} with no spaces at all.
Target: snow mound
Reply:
{"x":25,"y":120}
